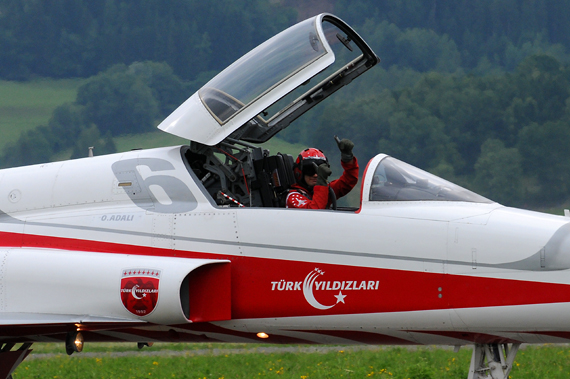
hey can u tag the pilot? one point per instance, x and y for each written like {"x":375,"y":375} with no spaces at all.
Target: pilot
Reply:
{"x":312,"y":170}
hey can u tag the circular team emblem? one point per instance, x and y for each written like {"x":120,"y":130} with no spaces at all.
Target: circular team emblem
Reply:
{"x":139,"y":290}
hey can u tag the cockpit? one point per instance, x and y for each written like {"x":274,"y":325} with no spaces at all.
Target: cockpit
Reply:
{"x":261,"y":94}
{"x":394,"y":180}
{"x":256,"y":97}
{"x":250,"y":177}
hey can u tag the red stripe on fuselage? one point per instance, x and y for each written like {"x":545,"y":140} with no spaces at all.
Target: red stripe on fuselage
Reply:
{"x":263,"y":288}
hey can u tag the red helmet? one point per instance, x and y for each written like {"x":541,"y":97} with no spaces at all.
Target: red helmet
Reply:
{"x":304,"y":163}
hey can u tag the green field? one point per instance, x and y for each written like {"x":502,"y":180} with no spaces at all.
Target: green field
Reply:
{"x":207,"y":361}
{"x":25,"y":105}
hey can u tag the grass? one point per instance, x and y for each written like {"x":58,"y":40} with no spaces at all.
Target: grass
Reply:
{"x":548,"y":361}
{"x":26,"y":105}
{"x":340,"y":363}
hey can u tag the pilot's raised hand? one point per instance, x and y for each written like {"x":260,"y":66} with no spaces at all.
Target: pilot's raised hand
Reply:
{"x":345,"y":146}
{"x":323,"y":172}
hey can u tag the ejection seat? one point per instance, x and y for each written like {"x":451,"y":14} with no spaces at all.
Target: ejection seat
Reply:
{"x":274,"y":177}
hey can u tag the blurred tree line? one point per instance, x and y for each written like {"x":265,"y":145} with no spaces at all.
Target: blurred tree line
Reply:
{"x":79,"y":38}
{"x":474,"y":91}
{"x":504,"y":136}
{"x":483,"y":32}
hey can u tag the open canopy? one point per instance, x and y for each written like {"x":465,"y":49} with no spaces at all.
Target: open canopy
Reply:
{"x":268,"y":88}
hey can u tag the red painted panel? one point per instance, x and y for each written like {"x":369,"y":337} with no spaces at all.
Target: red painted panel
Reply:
{"x":278,"y":288}
{"x":210,"y":293}
{"x":263,"y":288}
{"x":10,"y":239}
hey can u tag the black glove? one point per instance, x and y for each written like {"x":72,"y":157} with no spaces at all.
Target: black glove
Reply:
{"x":345,"y":146}
{"x":323,"y":172}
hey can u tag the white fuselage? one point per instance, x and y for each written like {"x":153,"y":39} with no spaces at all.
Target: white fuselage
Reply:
{"x":390,"y":273}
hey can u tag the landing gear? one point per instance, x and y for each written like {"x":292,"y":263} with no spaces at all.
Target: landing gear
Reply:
{"x":10,"y":359}
{"x":492,"y":361}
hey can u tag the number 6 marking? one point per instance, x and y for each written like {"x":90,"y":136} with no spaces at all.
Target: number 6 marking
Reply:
{"x":182,"y":199}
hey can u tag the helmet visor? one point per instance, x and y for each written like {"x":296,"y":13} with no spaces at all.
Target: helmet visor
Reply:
{"x":310,"y":166}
